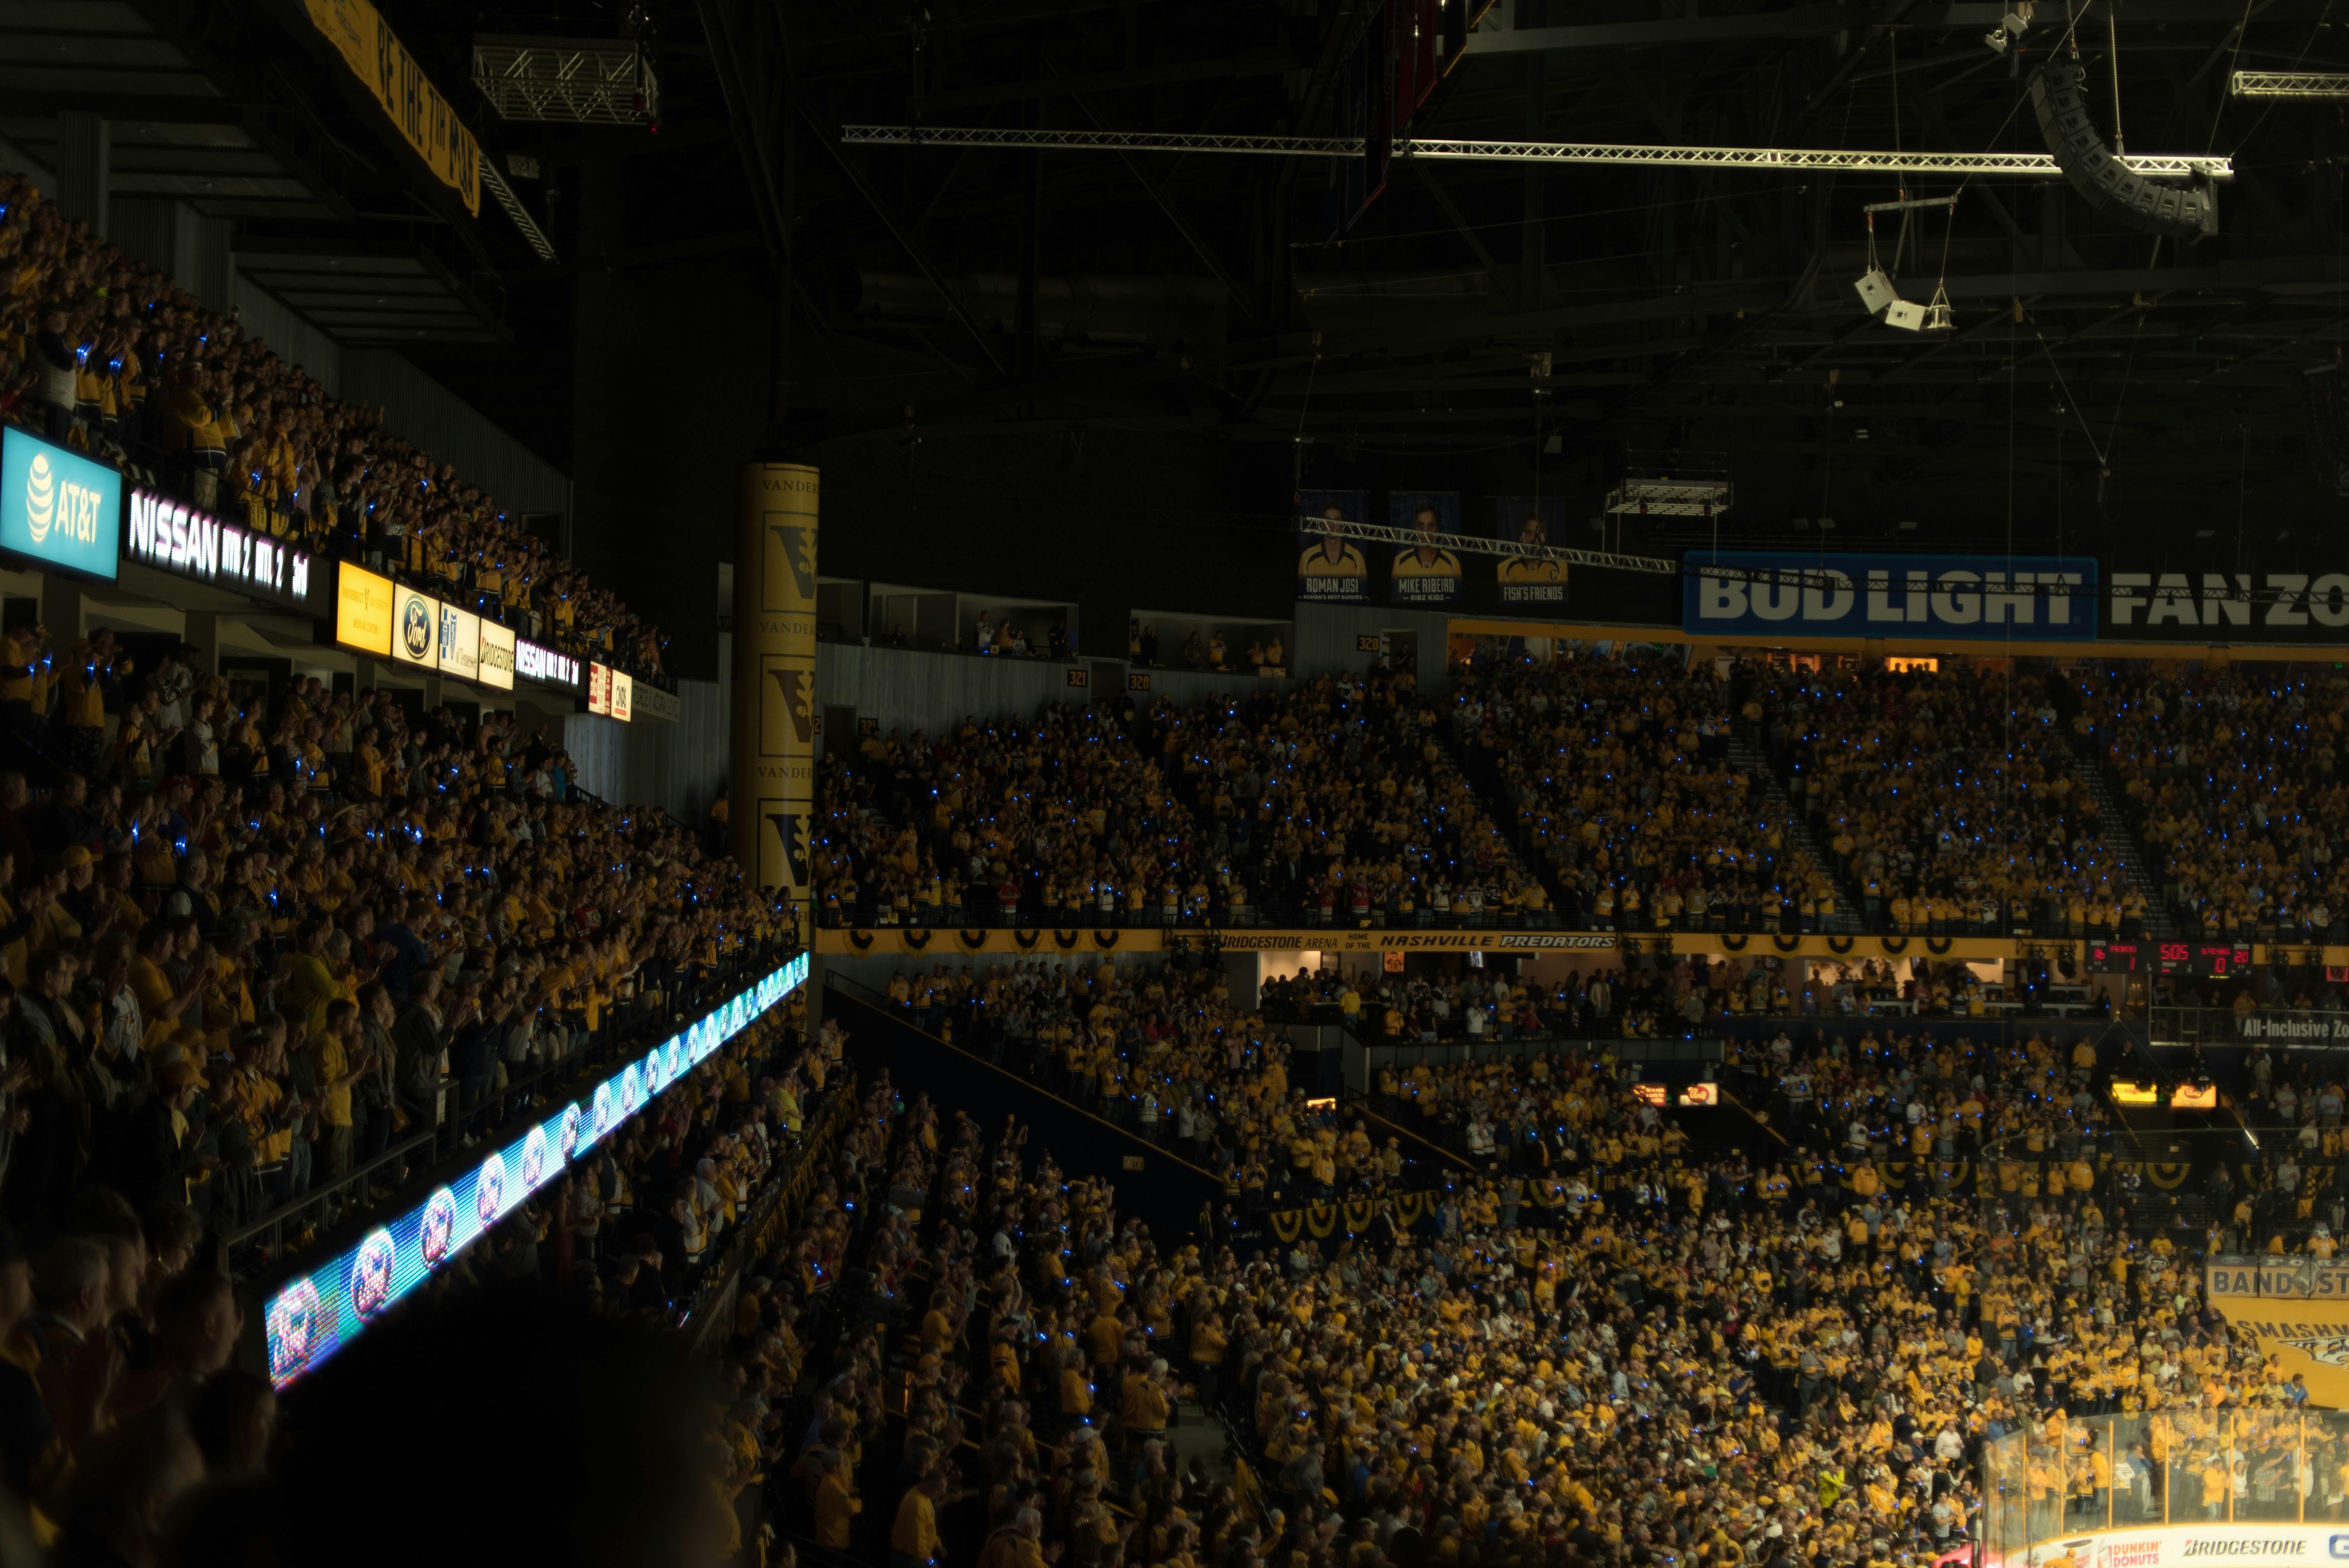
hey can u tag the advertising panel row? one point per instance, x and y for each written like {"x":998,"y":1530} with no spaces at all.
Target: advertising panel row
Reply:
{"x":392,"y":621}
{"x":2185,"y":1546}
{"x":308,"y":1319}
{"x":1780,"y":595}
{"x":611,"y":693}
{"x":186,"y":542}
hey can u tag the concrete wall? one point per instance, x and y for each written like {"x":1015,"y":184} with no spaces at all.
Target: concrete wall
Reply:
{"x":679,"y":767}
{"x":931,"y":692}
{"x":909,"y":689}
{"x":1328,"y":640}
{"x":419,"y":409}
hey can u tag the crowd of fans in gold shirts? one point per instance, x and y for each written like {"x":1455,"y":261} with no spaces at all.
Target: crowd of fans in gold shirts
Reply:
{"x":132,"y":1431}
{"x":1944,"y":802}
{"x":1330,"y":803}
{"x":107,"y":355}
{"x":1599,"y":1342}
{"x":2232,"y":784}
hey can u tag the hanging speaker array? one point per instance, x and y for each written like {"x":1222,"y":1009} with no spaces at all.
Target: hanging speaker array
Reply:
{"x":2058,"y":94}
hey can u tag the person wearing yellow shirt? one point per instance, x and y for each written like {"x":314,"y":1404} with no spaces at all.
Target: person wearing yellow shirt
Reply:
{"x":342,"y":1057}
{"x":835,"y":1508}
{"x":160,"y":1004}
{"x":1076,"y":1394}
{"x":1015,"y":1545}
{"x":90,"y":670}
{"x":913,"y":1537}
{"x":1104,"y":1336}
{"x":310,"y":982}
{"x":1142,"y":1402}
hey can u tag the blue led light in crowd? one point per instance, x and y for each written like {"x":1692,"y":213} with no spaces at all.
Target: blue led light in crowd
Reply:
{"x":312,"y":1317}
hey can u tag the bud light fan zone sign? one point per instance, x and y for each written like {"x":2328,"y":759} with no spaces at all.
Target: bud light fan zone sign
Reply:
{"x":1774,"y":596}
{"x":59,"y":509}
{"x":311,"y":1318}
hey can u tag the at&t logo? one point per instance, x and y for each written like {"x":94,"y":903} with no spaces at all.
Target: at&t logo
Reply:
{"x":40,"y":498}
{"x":58,"y":506}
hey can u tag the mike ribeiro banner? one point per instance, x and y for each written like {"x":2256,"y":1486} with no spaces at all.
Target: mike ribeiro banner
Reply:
{"x":1775,"y":594}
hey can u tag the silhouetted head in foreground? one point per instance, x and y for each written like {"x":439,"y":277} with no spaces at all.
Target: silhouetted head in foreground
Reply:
{"x":506,"y":1426}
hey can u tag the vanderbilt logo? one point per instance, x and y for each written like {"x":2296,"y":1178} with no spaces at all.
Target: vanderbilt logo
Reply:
{"x":797,"y":547}
{"x":791,"y":829}
{"x":797,"y":689}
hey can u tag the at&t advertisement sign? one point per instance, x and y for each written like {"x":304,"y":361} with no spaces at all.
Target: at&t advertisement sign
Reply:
{"x":60,"y":509}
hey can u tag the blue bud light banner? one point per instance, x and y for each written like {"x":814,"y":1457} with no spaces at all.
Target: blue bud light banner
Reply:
{"x":1776,"y":595}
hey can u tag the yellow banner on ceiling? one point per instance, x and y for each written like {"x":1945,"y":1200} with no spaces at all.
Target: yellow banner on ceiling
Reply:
{"x":2297,"y":1309}
{"x":425,"y":118}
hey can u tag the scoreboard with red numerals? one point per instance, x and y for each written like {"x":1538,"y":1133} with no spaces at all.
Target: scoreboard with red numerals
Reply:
{"x":2196,"y":958}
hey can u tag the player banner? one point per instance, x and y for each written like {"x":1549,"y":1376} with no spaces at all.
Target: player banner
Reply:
{"x":1330,"y":568}
{"x":1533,"y":521}
{"x":1424,"y":573}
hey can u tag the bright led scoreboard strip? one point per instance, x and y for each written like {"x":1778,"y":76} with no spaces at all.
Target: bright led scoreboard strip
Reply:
{"x":312,"y":1317}
{"x":2203,"y":960}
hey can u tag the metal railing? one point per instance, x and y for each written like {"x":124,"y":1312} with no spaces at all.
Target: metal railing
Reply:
{"x":425,"y":1150}
{"x":2134,"y":1472}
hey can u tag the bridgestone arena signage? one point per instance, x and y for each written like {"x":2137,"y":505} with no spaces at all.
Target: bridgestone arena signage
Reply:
{"x":2175,"y":1545}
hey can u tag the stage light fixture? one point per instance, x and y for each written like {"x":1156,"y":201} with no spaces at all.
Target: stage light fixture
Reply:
{"x":2010,"y":27}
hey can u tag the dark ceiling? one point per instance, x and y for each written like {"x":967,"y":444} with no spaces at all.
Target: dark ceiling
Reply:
{"x":2099,"y":385}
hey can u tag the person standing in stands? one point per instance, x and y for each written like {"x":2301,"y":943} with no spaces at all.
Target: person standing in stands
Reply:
{"x":56,"y":349}
{"x":421,"y":1039}
{"x":24,"y":658}
{"x":913,"y":1539}
{"x":90,"y":672}
{"x":192,"y":426}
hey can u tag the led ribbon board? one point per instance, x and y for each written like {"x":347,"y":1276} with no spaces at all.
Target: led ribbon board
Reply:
{"x":316,"y":1315}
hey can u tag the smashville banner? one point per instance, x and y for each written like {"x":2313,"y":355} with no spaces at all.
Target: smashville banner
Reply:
{"x":2298,"y":1311}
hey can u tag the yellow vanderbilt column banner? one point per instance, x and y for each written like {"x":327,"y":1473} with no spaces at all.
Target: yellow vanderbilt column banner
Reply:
{"x":773,"y":788}
{"x":2298,"y":1311}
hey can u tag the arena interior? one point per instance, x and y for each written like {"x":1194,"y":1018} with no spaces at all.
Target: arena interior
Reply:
{"x":1174,"y":783}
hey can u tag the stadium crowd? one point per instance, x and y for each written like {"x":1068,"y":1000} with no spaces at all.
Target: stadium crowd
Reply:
{"x":1948,"y":799}
{"x":2230,"y":782}
{"x":232,"y":985}
{"x":1330,"y":803}
{"x":1623,"y":788}
{"x":130,"y":1434}
{"x":106,"y":353}
{"x":1602,"y":1345}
